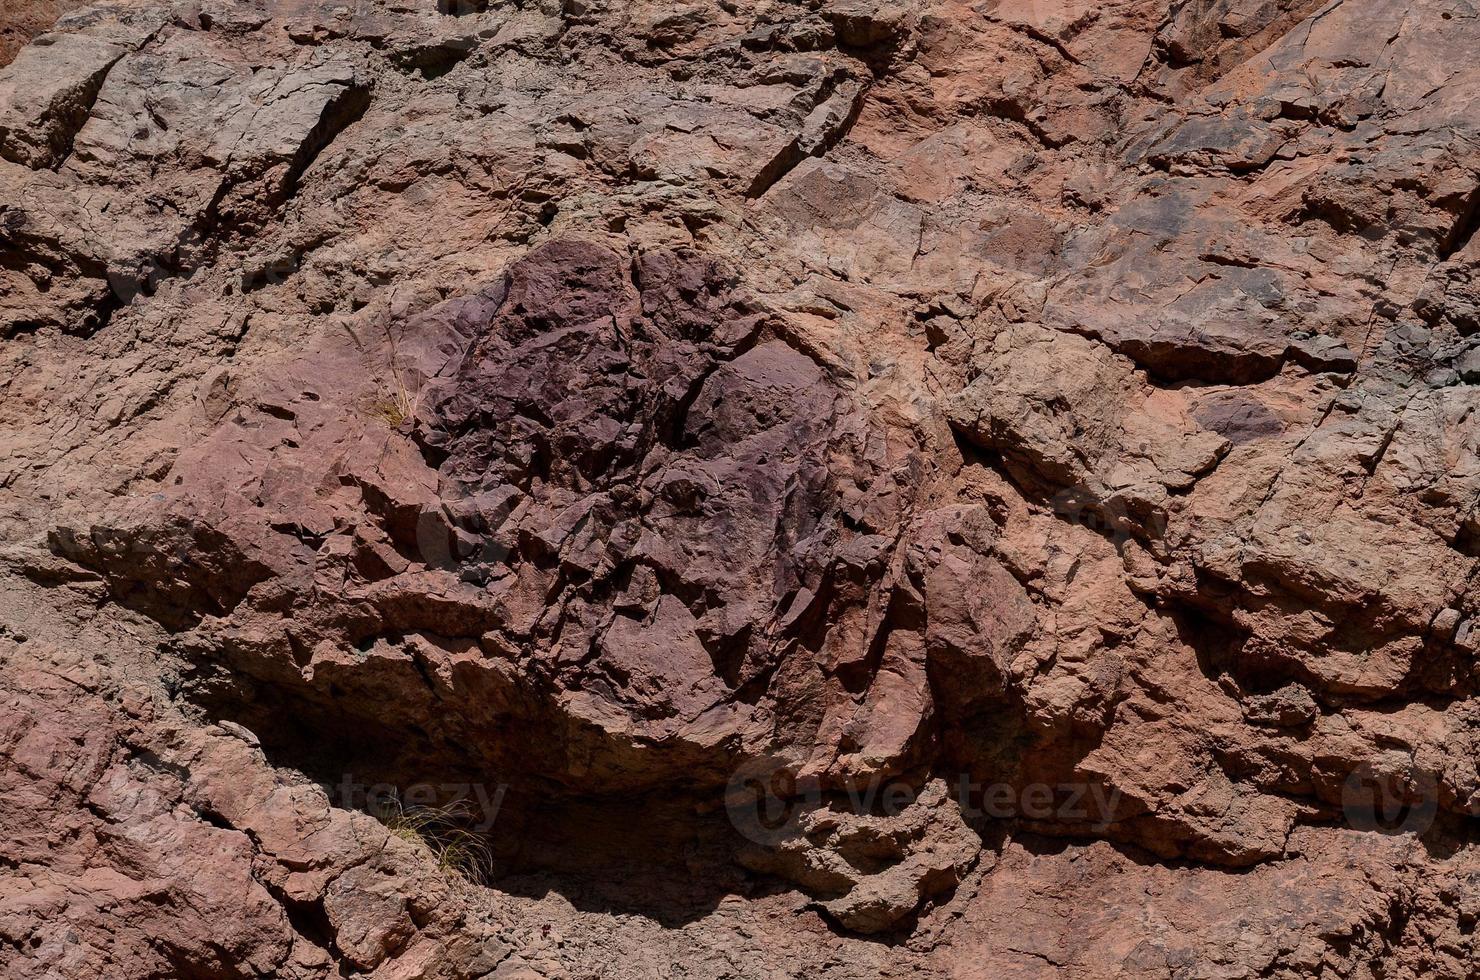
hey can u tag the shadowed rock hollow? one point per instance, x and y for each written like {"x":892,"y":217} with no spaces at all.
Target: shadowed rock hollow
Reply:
{"x":826,"y":489}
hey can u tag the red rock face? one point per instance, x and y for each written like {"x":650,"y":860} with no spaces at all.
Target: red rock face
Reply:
{"x":24,"y":19}
{"x":827,"y":490}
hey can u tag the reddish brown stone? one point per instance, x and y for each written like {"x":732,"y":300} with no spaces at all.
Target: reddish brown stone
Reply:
{"x":648,"y":489}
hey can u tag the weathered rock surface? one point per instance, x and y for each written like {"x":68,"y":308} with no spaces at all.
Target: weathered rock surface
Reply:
{"x":839,"y":488}
{"x":24,"y":19}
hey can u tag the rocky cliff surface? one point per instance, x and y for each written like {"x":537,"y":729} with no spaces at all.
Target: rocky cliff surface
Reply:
{"x":808,"y":488}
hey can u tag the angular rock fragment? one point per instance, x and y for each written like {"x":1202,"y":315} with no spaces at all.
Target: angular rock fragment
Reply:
{"x":884,"y":867}
{"x":47,"y":93}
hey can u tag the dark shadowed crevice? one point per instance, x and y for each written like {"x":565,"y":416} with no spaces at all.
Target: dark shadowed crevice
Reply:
{"x":1462,"y":232}
{"x":344,"y":110}
{"x":779,"y":166}
{"x":461,"y":8}
{"x":590,"y":847}
{"x":432,"y":61}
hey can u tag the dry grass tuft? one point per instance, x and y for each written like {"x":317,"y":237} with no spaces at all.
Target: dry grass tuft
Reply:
{"x":400,"y":404}
{"x":443,"y":830}
{"x":395,"y":408}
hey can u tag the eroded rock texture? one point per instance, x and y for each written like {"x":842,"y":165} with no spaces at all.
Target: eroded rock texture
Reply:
{"x":810,"y":488}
